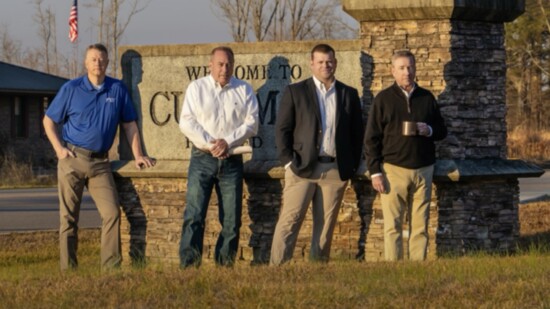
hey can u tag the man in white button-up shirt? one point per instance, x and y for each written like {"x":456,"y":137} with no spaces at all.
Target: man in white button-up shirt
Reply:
{"x":219,"y":112}
{"x":319,"y":136}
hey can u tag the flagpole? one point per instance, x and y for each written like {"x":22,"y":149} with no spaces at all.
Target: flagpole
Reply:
{"x":73,"y":35}
{"x":75,"y":59}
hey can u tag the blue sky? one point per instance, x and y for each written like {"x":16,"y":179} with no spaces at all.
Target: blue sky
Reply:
{"x":162,"y":22}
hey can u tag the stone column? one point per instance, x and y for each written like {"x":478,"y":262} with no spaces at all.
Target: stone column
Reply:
{"x":459,"y":48}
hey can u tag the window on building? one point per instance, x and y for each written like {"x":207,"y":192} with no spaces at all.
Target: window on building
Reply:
{"x":43,"y":108}
{"x":19,"y":124}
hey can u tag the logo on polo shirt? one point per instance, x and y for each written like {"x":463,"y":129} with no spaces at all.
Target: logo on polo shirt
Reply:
{"x":110,"y":100}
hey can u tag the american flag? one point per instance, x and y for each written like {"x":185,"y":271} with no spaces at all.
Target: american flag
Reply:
{"x":73,"y":22}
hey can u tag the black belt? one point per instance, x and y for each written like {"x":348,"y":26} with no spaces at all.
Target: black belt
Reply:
{"x":326,"y":159}
{"x":88,"y":153}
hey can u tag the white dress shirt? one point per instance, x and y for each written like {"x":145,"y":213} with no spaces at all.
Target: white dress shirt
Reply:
{"x":212,"y":112}
{"x":327,"y":105}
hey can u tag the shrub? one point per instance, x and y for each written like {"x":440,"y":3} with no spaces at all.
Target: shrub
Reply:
{"x":529,"y":145}
{"x":17,"y":173}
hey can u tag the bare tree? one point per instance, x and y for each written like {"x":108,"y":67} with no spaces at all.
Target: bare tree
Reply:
{"x":236,"y":13}
{"x":528,"y":67}
{"x":56,"y":55}
{"x":32,"y":58}
{"x":263,"y":17}
{"x":10,"y":49}
{"x":301,"y":22}
{"x":278,"y":20}
{"x":335,"y":24}
{"x":101,"y":12}
{"x":118,"y":25}
{"x":314,"y":19}
{"x":111,"y":25}
{"x":99,"y":23}
{"x":46,"y":31}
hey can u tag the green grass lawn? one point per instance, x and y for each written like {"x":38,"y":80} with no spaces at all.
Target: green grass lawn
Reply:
{"x":29,"y":278}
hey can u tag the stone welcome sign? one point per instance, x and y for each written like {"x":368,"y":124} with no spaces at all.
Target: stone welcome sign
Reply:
{"x":154,"y":199}
{"x":159,"y":75}
{"x":459,"y":47}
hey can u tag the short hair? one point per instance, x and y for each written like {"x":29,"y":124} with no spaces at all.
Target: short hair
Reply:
{"x":98,"y":46}
{"x":323,"y":48}
{"x":225,"y":49}
{"x":403,"y":54}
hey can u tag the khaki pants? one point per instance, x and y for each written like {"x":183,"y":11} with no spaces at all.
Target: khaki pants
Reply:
{"x":325,"y":190}
{"x":406,"y":188}
{"x":73,"y":174}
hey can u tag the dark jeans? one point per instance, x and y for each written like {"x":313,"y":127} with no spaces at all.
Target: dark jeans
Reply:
{"x":206,"y":172}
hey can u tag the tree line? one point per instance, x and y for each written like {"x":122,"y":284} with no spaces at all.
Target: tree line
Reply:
{"x":284,"y":20}
{"x":246,"y":20}
{"x":527,"y":41}
{"x":109,"y":24}
{"x":528,"y":64}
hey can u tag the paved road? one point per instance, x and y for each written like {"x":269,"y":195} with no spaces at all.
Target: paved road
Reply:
{"x":37,"y":209}
{"x":531,"y":188}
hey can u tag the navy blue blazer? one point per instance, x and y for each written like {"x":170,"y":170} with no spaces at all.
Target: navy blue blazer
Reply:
{"x":298,"y":129}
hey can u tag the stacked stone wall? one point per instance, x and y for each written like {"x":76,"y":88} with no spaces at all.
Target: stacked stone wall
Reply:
{"x":463,"y":63}
{"x":153,"y":216}
{"x":478,"y":216}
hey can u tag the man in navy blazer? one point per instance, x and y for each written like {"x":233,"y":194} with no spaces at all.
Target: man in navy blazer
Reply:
{"x":319,"y":137}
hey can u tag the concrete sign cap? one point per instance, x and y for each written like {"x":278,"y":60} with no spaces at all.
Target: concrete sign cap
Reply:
{"x":474,"y":10}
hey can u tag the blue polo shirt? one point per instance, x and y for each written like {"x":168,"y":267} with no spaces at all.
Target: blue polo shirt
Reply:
{"x":90,"y":117}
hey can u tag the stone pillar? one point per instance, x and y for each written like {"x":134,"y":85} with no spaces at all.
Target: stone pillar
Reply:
{"x":460,"y":54}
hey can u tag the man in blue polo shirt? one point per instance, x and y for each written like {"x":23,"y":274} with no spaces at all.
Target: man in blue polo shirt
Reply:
{"x":90,"y":109}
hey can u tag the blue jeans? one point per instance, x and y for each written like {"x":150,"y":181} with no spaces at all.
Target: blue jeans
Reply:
{"x":205,"y":173}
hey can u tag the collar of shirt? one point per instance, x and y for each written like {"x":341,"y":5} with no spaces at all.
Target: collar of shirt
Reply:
{"x":321,"y":87}
{"x":218,"y":86}
{"x":408,"y":94}
{"x":91,"y":87}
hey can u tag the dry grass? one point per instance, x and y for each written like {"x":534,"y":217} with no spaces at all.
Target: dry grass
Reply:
{"x":528,"y":145}
{"x":14,"y":173}
{"x":29,"y":279}
{"x":534,"y":221}
{"x":469,"y":282}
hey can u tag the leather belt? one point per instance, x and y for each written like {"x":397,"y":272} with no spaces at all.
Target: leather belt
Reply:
{"x":326,"y":159}
{"x":88,"y":153}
